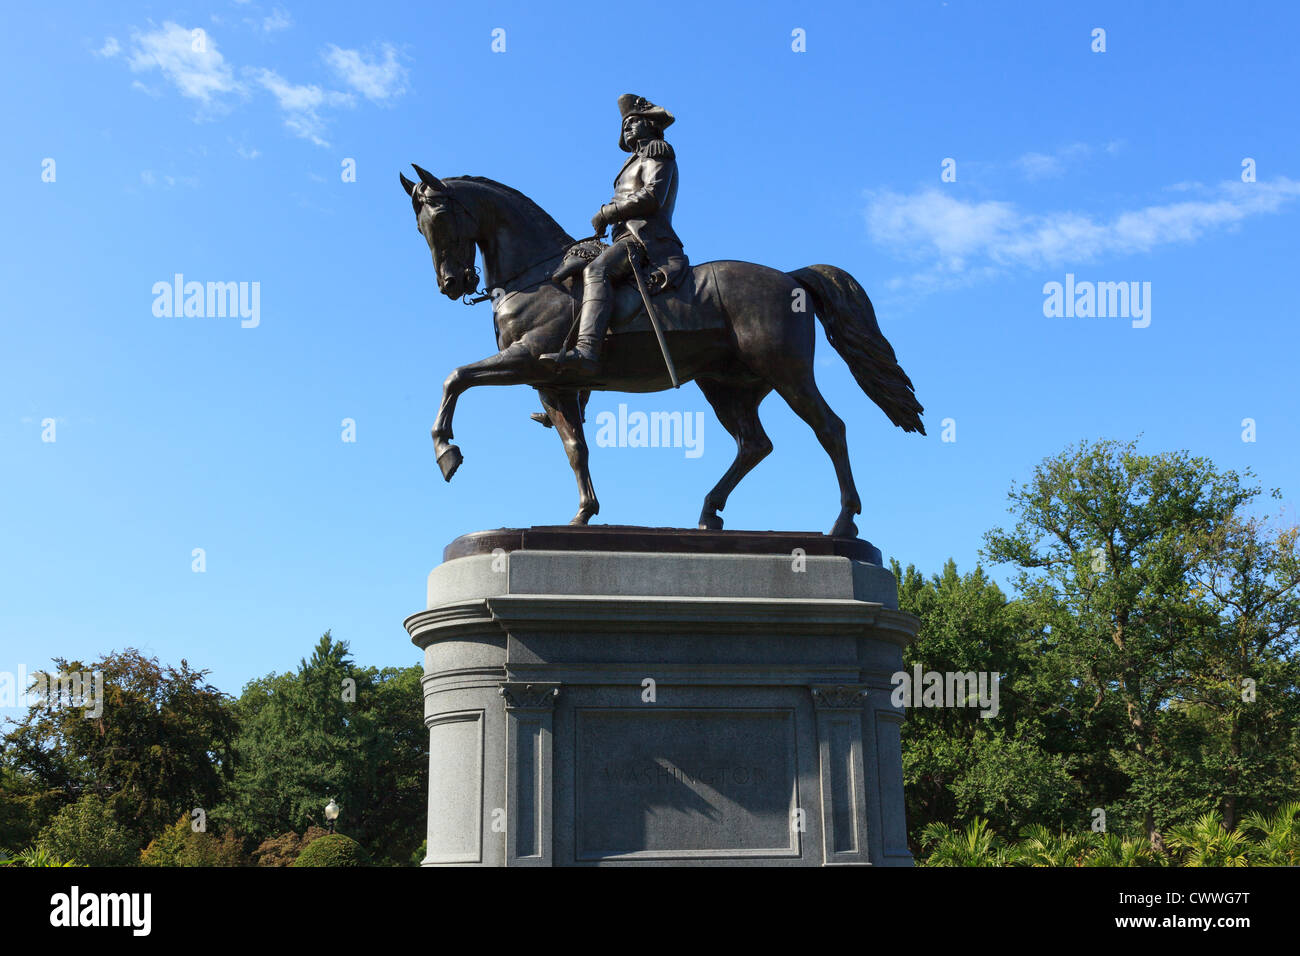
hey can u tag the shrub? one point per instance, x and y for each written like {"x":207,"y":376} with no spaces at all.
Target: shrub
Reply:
{"x":180,"y":845}
{"x":282,"y":850}
{"x":333,"y":849}
{"x":87,"y":831}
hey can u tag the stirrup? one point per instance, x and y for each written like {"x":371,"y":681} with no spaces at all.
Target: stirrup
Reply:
{"x":571,"y":358}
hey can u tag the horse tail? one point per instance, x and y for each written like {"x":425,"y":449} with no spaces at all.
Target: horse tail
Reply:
{"x":851,"y":328}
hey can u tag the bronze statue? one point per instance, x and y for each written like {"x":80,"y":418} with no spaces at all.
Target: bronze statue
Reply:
{"x":641,"y":212}
{"x":738,"y":329}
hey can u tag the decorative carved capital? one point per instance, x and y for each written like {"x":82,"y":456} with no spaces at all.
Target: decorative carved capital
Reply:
{"x":839,"y":696}
{"x":529,"y":696}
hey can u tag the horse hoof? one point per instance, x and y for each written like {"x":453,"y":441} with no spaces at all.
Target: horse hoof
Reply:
{"x":710,"y":523}
{"x":844,"y":528}
{"x":580,"y":519}
{"x":449,"y":461}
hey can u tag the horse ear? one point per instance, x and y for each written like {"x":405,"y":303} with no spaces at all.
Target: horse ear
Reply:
{"x":406,"y":183}
{"x":428,"y":178}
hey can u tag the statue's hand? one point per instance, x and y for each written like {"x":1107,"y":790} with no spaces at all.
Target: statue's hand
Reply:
{"x":598,"y":222}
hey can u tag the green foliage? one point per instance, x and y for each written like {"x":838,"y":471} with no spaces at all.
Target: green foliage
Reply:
{"x":1157,"y":601}
{"x":181,"y":845}
{"x":161,"y":743}
{"x":1277,"y":837}
{"x":418,"y":856}
{"x":333,"y":849}
{"x":32,"y":856}
{"x":1207,"y":842}
{"x":957,"y":764}
{"x":25,"y":806}
{"x":976,"y":845}
{"x":1110,"y":849}
{"x":283,"y":849}
{"x":89,"y":832}
{"x":1039,"y":846}
{"x":301,"y":741}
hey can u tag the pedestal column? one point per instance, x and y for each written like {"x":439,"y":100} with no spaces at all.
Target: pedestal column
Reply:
{"x":719,"y":698}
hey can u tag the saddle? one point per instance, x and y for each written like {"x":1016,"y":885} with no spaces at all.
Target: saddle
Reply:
{"x":693,"y":306}
{"x":690,"y":304}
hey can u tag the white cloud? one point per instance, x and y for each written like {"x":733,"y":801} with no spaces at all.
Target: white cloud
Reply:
{"x":1046,"y":165}
{"x":149,"y":178}
{"x":376,"y":80}
{"x":1039,"y":165}
{"x":188,"y":59}
{"x":933,"y":220}
{"x":301,"y":104}
{"x":278,"y":20}
{"x":977,"y":238}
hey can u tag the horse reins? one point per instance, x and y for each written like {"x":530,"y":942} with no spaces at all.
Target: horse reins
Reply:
{"x":484,"y":294}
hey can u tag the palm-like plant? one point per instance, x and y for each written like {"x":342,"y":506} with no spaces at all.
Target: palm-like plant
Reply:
{"x":1277,"y":838}
{"x":976,"y":845}
{"x":1208,"y":843}
{"x":1109,"y":849}
{"x":1039,"y":846}
{"x":32,"y":856}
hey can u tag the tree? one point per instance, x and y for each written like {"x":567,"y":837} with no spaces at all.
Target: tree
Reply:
{"x":333,"y":730}
{"x":1239,"y":684}
{"x":159,"y":746}
{"x":1108,"y":546}
{"x":25,"y":806}
{"x":957,"y":763}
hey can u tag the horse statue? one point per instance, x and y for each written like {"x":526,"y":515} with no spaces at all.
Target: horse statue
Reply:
{"x":740,"y":331}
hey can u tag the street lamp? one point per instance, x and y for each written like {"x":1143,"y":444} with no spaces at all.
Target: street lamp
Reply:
{"x":331,"y":813}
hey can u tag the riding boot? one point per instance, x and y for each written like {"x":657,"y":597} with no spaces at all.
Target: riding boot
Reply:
{"x":597,"y":306}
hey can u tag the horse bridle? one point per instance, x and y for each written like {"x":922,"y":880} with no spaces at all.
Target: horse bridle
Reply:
{"x":483,"y":295}
{"x":470,"y":271}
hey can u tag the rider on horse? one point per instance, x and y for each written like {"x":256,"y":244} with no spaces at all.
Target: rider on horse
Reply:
{"x":641,"y":213}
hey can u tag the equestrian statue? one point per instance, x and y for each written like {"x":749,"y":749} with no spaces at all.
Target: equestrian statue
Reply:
{"x":633,"y":315}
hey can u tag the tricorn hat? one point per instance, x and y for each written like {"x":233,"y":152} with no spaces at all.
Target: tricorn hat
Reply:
{"x":629,"y":104}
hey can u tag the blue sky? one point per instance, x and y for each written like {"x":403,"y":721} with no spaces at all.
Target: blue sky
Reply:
{"x":224,"y":164}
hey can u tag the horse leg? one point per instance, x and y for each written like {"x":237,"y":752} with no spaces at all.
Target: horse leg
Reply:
{"x":737,"y":408}
{"x":802,"y":395}
{"x":565,"y":411}
{"x":514,"y":366}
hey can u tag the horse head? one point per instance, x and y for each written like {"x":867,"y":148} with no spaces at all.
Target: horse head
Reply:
{"x":449,"y":227}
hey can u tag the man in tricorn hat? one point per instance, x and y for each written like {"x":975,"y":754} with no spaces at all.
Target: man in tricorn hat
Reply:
{"x":641,"y":213}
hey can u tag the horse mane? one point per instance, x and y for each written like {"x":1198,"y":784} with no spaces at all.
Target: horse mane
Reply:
{"x":531,"y":208}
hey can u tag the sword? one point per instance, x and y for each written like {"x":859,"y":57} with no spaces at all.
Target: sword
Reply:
{"x":653,"y":316}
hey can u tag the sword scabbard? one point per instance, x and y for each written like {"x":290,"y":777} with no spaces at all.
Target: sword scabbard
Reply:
{"x":653,"y":316}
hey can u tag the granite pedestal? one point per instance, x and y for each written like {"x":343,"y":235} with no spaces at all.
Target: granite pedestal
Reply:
{"x":633,"y":696}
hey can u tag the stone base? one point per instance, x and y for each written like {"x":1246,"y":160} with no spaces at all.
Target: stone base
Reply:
{"x":675,"y":702}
